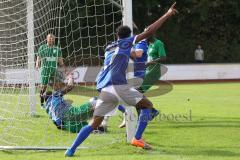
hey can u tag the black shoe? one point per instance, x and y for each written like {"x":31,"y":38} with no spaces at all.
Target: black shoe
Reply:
{"x":100,"y":130}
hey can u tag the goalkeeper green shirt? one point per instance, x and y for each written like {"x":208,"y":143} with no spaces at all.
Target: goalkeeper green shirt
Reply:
{"x":156,"y":50}
{"x":49,"y":56}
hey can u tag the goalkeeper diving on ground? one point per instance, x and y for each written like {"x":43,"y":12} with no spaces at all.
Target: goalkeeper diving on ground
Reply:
{"x":64,"y":115}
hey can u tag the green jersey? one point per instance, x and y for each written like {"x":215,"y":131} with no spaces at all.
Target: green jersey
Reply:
{"x":49,"y":56}
{"x":156,"y":50}
{"x":65,"y":116}
{"x":79,"y":113}
{"x":76,"y":117}
{"x":153,"y":73}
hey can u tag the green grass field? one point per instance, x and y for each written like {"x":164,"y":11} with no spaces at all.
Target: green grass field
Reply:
{"x":211,"y":132}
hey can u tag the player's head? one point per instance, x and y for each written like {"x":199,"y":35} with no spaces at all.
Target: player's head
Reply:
{"x":123,"y":32}
{"x":152,"y":39}
{"x":47,"y":95}
{"x":93,"y":101}
{"x":50,"y":39}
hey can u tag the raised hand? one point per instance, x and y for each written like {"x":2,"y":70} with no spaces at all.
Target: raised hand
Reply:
{"x":172,"y":10}
{"x":70,"y":79}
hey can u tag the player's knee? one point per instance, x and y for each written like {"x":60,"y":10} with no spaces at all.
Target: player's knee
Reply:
{"x":149,"y":103}
{"x":96,"y":122}
{"x":94,"y":126}
{"x":144,"y":103}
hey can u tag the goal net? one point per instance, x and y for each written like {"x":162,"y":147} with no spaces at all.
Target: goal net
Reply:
{"x":82,"y":29}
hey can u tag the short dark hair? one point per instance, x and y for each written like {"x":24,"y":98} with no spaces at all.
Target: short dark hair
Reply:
{"x":123,"y":32}
{"x":152,"y":39}
{"x":48,"y":94}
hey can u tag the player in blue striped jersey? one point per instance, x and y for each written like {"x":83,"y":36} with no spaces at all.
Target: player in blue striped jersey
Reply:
{"x":113,"y":85}
{"x":139,"y":58}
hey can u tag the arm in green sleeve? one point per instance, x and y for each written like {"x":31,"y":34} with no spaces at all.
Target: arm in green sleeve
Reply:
{"x":161,"y":49}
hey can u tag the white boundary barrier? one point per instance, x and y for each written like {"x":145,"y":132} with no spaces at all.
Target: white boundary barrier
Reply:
{"x":175,"y":72}
{"x":202,"y":72}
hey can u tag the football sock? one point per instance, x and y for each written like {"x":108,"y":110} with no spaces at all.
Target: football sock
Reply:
{"x":82,"y":135}
{"x":143,"y":120}
{"x":121,"y":108}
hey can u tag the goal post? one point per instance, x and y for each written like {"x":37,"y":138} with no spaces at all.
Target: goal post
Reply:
{"x":82,"y":30}
{"x":31,"y":55}
{"x":127,"y":13}
{"x":131,"y":118}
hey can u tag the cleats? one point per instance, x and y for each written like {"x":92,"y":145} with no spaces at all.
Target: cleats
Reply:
{"x":69,"y":153}
{"x":100,"y":130}
{"x":140,"y":143}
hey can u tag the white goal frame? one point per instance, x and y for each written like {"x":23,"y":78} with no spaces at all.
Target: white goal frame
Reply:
{"x":130,"y":117}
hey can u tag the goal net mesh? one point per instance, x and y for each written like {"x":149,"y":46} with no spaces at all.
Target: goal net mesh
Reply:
{"x":82,"y":29}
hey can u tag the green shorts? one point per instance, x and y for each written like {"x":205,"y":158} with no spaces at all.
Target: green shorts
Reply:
{"x":153,"y":73}
{"x":76,"y":117}
{"x":50,"y":75}
{"x":73,"y":126}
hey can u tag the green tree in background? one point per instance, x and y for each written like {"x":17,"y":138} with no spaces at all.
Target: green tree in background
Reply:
{"x":215,"y":24}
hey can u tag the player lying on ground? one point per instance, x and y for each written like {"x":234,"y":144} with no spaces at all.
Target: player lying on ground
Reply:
{"x":48,"y":58}
{"x":113,"y":85}
{"x":64,"y":115}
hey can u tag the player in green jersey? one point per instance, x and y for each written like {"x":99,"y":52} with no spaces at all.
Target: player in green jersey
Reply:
{"x":156,"y":54}
{"x":48,"y":58}
{"x":64,"y":115}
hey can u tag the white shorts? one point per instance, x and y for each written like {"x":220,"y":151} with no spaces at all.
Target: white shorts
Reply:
{"x":112,"y":95}
{"x":136,"y":82}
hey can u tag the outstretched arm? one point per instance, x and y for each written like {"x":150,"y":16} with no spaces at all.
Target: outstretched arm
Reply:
{"x":61,"y":63}
{"x":156,"y":25}
{"x":69,"y":86}
{"x":38,"y":62}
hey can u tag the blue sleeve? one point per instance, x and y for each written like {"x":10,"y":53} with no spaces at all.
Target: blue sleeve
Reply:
{"x":132,"y":39}
{"x":125,"y":45}
{"x":142,"y":45}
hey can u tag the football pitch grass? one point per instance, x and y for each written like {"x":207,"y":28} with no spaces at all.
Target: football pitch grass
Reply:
{"x":197,"y":122}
